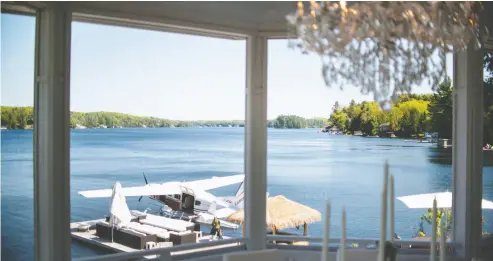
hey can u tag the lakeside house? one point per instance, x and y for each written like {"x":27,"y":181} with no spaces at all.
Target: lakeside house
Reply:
{"x":332,"y":130}
{"x":358,"y":133}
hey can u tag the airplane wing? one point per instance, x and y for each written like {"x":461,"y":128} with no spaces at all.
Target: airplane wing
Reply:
{"x":204,"y":195}
{"x":168,"y":188}
{"x":215,"y":182}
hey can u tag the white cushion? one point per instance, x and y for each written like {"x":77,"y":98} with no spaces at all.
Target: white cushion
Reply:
{"x":166,"y":223}
{"x":163,"y":235}
{"x":150,"y":230}
{"x":136,"y":232}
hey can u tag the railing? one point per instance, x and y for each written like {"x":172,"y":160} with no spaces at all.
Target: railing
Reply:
{"x":418,"y":246}
{"x":179,"y":252}
{"x":193,"y":250}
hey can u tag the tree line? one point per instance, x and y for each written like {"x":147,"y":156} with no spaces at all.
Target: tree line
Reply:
{"x":296,"y":122}
{"x":411,"y":115}
{"x":22,"y":118}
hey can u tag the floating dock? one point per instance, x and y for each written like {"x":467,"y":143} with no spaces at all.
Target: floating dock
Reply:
{"x":90,"y":237}
{"x":91,"y":232}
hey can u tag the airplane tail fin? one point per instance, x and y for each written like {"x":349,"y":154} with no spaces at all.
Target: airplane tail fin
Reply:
{"x":212,"y":207}
{"x":239,"y":196}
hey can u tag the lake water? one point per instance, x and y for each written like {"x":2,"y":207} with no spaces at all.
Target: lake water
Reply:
{"x":303,"y":165}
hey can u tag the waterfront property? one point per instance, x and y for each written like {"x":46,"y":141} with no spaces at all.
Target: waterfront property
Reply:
{"x":255,"y":22}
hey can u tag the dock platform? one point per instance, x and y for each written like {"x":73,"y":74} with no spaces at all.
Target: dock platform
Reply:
{"x":85,"y":232}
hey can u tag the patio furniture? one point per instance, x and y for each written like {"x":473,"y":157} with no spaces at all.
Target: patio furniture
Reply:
{"x":132,"y":239}
{"x":125,"y":237}
{"x":103,"y":230}
{"x":196,"y":227}
{"x":179,"y":238}
{"x":198,"y":235}
{"x":147,"y":229}
{"x":167,"y":223}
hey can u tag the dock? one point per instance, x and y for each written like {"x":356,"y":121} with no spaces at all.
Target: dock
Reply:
{"x":91,"y":238}
{"x":86,"y":232}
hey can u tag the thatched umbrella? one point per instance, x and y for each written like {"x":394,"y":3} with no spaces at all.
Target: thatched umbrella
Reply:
{"x":283,"y":213}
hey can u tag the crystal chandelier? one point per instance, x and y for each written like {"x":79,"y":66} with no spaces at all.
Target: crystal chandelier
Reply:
{"x":386,"y":48}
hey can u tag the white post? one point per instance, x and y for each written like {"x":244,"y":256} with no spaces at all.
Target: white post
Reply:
{"x":52,"y":134}
{"x":256,"y":142}
{"x":467,"y":152}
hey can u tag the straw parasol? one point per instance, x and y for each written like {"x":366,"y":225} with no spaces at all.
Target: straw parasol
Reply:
{"x":283,"y":213}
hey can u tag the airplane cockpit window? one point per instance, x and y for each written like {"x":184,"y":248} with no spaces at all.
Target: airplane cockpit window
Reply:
{"x":197,"y":203}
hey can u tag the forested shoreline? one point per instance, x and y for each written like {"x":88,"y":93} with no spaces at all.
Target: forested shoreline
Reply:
{"x":414,"y":114}
{"x":411,"y":116}
{"x":22,"y":118}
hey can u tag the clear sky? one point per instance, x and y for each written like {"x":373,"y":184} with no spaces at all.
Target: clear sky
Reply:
{"x":166,"y":75}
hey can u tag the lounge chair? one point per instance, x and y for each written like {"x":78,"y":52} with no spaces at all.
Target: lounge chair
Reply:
{"x":179,"y":238}
{"x":127,"y":237}
{"x":133,"y":239}
{"x":167,"y":223}
{"x":162,"y":234}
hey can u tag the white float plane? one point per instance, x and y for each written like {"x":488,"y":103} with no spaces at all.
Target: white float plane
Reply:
{"x":190,"y":197}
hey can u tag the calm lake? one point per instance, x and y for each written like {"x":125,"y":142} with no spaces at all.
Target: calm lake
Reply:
{"x":305,"y":166}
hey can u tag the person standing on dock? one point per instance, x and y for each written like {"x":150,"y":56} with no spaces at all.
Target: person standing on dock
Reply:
{"x":216,"y":228}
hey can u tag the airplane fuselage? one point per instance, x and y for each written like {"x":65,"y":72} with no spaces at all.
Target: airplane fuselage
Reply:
{"x":183,"y":202}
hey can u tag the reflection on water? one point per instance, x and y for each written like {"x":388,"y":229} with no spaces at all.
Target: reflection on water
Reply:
{"x":444,"y":156}
{"x":440,"y":155}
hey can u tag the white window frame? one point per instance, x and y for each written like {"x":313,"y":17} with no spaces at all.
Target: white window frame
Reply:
{"x":52,"y":134}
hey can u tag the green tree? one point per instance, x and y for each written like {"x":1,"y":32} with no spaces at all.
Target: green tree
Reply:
{"x":394,"y":117}
{"x":441,"y":110}
{"x":371,"y":118}
{"x":339,"y":119}
{"x":12,"y":124}
{"x":21,"y":119}
{"x":289,"y":122}
{"x":428,"y":219}
{"x":414,"y":117}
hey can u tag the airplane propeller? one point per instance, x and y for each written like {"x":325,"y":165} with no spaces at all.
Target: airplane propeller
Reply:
{"x":145,"y":177}
{"x":146,"y":184}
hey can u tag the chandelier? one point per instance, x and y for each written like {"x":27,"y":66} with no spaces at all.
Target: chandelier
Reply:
{"x":385,"y":48}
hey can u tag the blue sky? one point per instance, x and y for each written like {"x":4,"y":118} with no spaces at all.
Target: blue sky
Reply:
{"x":166,"y":75}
